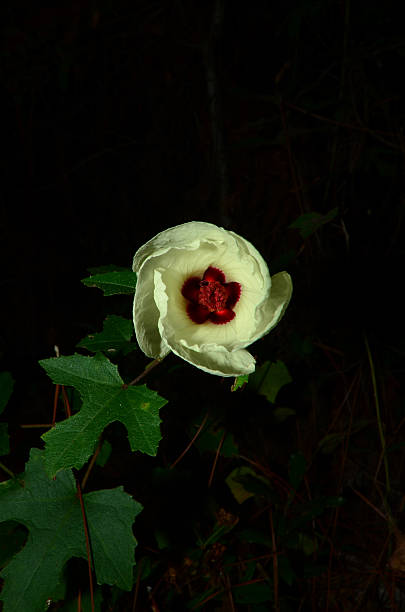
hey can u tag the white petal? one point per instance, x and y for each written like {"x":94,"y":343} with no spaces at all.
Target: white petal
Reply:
{"x":222,"y":363}
{"x":186,"y":236}
{"x":261,"y":270}
{"x":146,"y":317}
{"x":271,"y":310}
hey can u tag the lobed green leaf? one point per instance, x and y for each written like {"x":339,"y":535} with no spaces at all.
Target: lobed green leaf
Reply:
{"x":105,"y":399}
{"x":50,"y":509}
{"x":243,"y":483}
{"x":116,"y":336}
{"x":113,"y":283}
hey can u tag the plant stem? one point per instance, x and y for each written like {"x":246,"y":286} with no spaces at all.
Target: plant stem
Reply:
{"x":146,"y":371}
{"x":378,"y":414}
{"x":5,"y":469}
{"x":90,"y":559}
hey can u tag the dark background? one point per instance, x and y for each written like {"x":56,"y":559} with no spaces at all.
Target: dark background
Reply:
{"x":120,"y":119}
{"x":107,"y":139}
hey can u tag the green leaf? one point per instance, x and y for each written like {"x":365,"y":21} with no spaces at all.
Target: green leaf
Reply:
{"x":217,"y":533}
{"x":105,"y":400}
{"x":4,"y":441}
{"x":240,"y":382}
{"x":269,"y":378}
{"x":310,"y":222}
{"x":50,"y":509}
{"x":210,"y":438}
{"x":307,"y":511}
{"x":255,"y":536}
{"x":249,"y":572}
{"x":253,"y":593}
{"x":143,"y":567}
{"x":113,"y":283}
{"x":306,"y":543}
{"x":116,"y":335}
{"x":162,"y":539}
{"x":244,"y":483}
{"x":297,"y":469}
{"x":329,"y":443}
{"x":6,"y":389}
{"x":282,"y":413}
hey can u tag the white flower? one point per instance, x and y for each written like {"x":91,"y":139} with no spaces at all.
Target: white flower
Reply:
{"x":205,"y":293}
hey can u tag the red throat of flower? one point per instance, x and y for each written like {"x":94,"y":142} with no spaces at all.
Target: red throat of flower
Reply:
{"x":210,"y":298}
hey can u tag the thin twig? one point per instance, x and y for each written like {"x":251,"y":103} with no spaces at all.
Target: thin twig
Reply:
{"x":335,"y":419}
{"x":138,"y":580}
{"x":55,"y":404}
{"x":5,"y":469}
{"x":362,"y":593}
{"x":66,"y":402}
{"x":348,"y":126}
{"x":207,"y":599}
{"x":378,"y":413}
{"x":216,"y":459}
{"x":190,"y":444}
{"x":36,"y":425}
{"x":228,"y":588}
{"x":275,"y":564}
{"x":368,"y":502}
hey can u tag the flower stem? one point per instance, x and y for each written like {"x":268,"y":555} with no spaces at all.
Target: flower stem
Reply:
{"x":146,"y":371}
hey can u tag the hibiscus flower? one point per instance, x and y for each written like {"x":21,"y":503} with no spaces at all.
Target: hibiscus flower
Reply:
{"x":205,"y":293}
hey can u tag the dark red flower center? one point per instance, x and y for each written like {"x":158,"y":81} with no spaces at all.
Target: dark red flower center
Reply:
{"x":210,"y":298}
